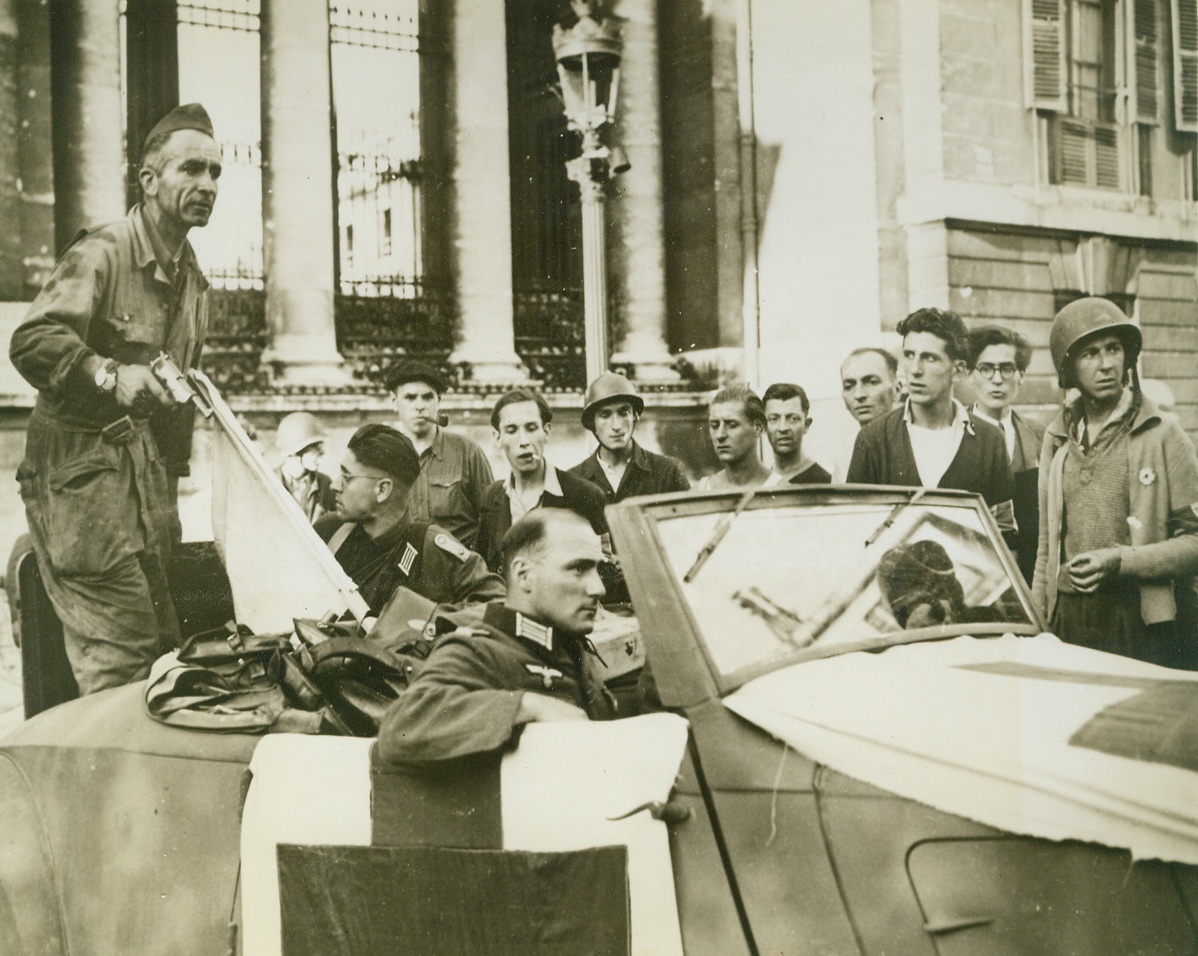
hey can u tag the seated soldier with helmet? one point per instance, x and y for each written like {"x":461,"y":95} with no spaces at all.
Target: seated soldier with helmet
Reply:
{"x":380,"y":546}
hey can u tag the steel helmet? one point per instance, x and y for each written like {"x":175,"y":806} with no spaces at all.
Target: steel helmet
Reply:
{"x":1082,"y":319}
{"x":607,"y":387}
{"x":297,"y":431}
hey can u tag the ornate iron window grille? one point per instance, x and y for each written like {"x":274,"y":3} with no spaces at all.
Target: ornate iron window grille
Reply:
{"x":549,"y":336}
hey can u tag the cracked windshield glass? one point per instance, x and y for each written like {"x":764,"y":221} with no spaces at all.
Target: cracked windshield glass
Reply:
{"x":781,"y":579}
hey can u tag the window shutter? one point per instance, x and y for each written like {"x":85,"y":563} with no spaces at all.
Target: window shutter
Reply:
{"x":1073,"y":152}
{"x":1106,"y":157}
{"x":1185,"y":65}
{"x":1087,"y":154}
{"x":1048,"y":54}
{"x":1147,"y":36}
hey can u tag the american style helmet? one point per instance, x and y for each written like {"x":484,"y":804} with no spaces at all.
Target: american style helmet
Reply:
{"x":606,"y":388}
{"x":1082,"y":319}
{"x":297,"y":431}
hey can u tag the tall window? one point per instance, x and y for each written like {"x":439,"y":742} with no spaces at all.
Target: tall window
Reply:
{"x":219,"y":67}
{"x":546,"y":214}
{"x":1075,"y":79}
{"x":1090,"y":32}
{"x":376,"y":101}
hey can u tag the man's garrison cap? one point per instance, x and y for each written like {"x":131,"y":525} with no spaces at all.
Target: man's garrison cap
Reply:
{"x":187,"y":116}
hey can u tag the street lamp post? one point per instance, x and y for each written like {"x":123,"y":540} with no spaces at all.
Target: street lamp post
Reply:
{"x":588,"y":66}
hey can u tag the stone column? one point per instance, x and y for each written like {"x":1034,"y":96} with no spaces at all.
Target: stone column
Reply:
{"x":482,"y":229}
{"x":297,"y":192}
{"x":85,"y":89}
{"x":10,"y":172}
{"x":35,"y":148}
{"x":637,"y":210}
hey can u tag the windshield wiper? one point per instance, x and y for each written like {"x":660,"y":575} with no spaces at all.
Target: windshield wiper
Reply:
{"x":721,"y":529}
{"x":893,"y":516}
{"x":787,"y":626}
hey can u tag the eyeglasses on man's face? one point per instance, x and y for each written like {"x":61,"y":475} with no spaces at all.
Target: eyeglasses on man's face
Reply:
{"x":1007,"y":370}
{"x":346,"y":477}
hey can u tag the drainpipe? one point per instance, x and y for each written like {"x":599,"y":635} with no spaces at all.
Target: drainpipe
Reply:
{"x":751,"y":308}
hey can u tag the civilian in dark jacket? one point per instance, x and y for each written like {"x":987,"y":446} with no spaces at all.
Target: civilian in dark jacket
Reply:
{"x":931,"y":440}
{"x":619,"y":466}
{"x":998,"y":359}
{"x":521,"y":421}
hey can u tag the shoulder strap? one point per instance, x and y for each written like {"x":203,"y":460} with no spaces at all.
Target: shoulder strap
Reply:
{"x":337,"y":539}
{"x":416,"y":533}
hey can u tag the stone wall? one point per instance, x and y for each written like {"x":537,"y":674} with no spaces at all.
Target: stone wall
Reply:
{"x":987,"y":128}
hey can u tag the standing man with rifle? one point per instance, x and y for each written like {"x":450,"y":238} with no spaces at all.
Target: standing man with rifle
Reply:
{"x":106,"y":442}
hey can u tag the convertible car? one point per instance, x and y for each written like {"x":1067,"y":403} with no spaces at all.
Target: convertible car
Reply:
{"x":866,"y":745}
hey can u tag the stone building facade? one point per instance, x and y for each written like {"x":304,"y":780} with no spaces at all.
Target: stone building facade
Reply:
{"x":998,"y":157}
{"x":802,"y":176}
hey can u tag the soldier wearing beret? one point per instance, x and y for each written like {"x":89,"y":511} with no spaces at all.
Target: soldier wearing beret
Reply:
{"x":377,"y":541}
{"x":106,"y":444}
{"x":454,"y":471}
{"x":529,"y":659}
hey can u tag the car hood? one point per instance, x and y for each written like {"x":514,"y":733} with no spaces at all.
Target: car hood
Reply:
{"x":1029,"y":735}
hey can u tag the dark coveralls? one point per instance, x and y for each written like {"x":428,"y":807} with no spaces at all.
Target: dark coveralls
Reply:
{"x":422,"y":557}
{"x":98,"y":480}
{"x":465,"y":699}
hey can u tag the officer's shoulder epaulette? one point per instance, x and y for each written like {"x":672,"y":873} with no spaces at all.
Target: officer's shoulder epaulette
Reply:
{"x":451,"y":545}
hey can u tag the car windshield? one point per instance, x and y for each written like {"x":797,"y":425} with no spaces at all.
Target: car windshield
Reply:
{"x":793,"y":576}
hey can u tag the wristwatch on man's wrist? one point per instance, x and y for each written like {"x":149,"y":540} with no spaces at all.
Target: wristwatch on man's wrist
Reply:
{"x":106,"y":377}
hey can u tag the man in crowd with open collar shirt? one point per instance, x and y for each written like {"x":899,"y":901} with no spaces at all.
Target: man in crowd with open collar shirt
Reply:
{"x":521,"y":420}
{"x":454,"y":471}
{"x":931,"y":440}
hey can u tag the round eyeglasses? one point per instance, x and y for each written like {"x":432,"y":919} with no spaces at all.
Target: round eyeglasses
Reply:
{"x":1007,"y":370}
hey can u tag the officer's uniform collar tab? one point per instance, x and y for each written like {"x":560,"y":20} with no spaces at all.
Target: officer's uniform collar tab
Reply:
{"x":503,"y":618}
{"x":531,"y":630}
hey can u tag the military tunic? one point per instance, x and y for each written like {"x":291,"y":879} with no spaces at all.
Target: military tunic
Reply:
{"x":97,"y":479}
{"x":422,"y":557}
{"x":465,"y":699}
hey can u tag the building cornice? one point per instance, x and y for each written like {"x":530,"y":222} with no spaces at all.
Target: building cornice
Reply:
{"x":1062,"y":209}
